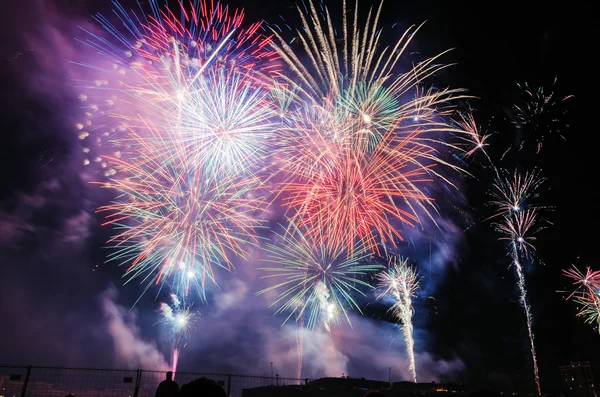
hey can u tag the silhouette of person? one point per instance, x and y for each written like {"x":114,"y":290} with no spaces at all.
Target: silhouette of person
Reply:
{"x":202,"y":387}
{"x":168,"y":387}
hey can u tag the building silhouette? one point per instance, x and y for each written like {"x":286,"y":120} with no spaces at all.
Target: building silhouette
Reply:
{"x":577,"y":379}
{"x":357,"y":387}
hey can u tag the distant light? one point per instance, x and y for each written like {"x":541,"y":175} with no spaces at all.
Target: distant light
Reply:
{"x":516,"y":208}
{"x":416,"y":118}
{"x":191,"y":274}
{"x":366,"y":118}
{"x":520,"y":239}
{"x":181,"y":320}
{"x":480,"y":145}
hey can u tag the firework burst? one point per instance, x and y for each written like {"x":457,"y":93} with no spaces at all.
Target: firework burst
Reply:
{"x":222,"y":122}
{"x":472,"y":138}
{"x":158,"y":67}
{"x":401,"y":283}
{"x":512,"y":194}
{"x":361,"y":145}
{"x":315,"y":284}
{"x":356,"y":195}
{"x":356,"y":75}
{"x":586,"y":293}
{"x":178,"y":319}
{"x":175,"y":224}
{"x":540,"y":112}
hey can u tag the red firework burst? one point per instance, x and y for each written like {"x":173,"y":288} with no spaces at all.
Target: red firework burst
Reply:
{"x":358,"y":195}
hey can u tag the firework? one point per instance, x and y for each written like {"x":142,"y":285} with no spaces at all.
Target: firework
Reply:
{"x":353,"y":64}
{"x":159,"y":66}
{"x":356,"y":76}
{"x":175,"y":362}
{"x":355,"y":195}
{"x":540,"y":113}
{"x":315,"y":284}
{"x":517,"y":217}
{"x":472,"y":138}
{"x":400,"y":283}
{"x":519,"y":230}
{"x":586,"y":293}
{"x":222,"y":122}
{"x":174,"y":224}
{"x":177,"y":318}
{"x":360,"y":146}
{"x":516,"y":193}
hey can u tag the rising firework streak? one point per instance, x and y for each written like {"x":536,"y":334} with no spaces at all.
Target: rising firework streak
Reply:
{"x":400,"y":283}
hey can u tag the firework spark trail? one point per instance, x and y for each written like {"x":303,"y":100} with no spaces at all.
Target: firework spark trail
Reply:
{"x":299,"y":348}
{"x":517,"y":231}
{"x":518,"y":223}
{"x":174,"y":224}
{"x":514,"y":194}
{"x":540,"y":112}
{"x":153,"y":67}
{"x":472,"y":137}
{"x":175,"y":362}
{"x":523,"y":298}
{"x":315,"y":283}
{"x":586,"y":293}
{"x":400,"y":282}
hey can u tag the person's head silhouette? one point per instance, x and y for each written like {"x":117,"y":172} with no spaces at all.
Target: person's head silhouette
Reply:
{"x":202,"y":387}
{"x":170,"y":375}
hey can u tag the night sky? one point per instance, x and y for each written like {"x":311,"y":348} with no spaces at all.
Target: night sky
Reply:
{"x":60,"y":305}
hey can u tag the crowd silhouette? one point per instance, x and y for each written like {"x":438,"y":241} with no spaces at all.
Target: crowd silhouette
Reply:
{"x":201,"y":387}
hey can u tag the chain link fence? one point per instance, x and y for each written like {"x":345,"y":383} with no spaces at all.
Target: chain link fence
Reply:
{"x":93,"y":382}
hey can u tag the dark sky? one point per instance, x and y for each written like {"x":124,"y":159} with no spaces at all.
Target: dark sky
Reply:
{"x":53,"y":305}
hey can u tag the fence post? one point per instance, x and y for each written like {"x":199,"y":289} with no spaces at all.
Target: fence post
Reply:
{"x":277,"y":380}
{"x":138,"y":379}
{"x":24,"y":390}
{"x":229,"y":385}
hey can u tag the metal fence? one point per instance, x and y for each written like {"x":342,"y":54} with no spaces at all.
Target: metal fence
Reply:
{"x":92,"y":382}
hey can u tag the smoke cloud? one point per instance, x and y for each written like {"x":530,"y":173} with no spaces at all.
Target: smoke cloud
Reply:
{"x":129,"y":348}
